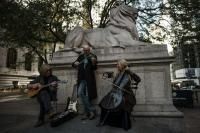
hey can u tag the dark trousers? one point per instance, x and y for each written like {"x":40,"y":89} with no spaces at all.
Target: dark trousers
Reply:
{"x":45,"y":104}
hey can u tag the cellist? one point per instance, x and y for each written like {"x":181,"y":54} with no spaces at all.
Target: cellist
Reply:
{"x":120,"y":117}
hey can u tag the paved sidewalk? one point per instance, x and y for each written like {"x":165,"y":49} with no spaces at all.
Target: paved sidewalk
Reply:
{"x":192,"y":118}
{"x":19,"y":116}
{"x":24,"y":124}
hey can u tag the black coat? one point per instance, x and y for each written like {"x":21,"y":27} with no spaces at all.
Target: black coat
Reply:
{"x":87,"y":74}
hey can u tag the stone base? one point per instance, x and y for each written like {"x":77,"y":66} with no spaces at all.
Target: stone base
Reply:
{"x":150,"y":62}
{"x":154,"y":112}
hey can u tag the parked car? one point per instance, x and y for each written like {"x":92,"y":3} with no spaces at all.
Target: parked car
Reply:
{"x":183,"y":98}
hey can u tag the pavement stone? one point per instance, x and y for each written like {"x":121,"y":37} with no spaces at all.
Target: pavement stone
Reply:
{"x":19,"y":116}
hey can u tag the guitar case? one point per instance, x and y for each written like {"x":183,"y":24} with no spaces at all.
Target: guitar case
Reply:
{"x":67,"y":115}
{"x":62,"y":117}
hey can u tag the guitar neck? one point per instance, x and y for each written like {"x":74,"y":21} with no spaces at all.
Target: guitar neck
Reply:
{"x":47,"y":85}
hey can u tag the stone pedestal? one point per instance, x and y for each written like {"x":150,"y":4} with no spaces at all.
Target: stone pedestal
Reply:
{"x":150,"y":62}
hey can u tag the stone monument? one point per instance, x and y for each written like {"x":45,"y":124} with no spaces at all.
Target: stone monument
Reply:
{"x":120,"y":31}
{"x":119,"y":40}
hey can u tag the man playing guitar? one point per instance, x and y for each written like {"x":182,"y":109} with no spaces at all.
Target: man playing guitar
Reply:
{"x":46,"y":86}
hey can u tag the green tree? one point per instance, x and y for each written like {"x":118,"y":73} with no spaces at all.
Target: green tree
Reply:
{"x":36,"y":23}
{"x":185,"y":15}
{"x":185,"y":32}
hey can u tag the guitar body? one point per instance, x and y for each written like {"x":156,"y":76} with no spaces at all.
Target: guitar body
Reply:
{"x":33,"y":92}
{"x":63,"y":117}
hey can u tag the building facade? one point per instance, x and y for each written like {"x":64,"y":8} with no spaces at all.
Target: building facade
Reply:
{"x":187,"y":58}
{"x":16,"y":66}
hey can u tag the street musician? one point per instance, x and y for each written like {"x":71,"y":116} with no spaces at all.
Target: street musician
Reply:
{"x":46,"y":87}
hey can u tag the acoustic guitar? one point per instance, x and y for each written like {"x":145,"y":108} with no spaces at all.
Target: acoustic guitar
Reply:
{"x":34,"y":91}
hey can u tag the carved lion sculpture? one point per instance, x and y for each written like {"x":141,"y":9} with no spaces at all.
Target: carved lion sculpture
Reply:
{"x":120,"y":31}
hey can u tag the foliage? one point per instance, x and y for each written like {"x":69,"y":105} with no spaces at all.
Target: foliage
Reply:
{"x":185,"y":16}
{"x":37,"y":23}
{"x":34,"y":24}
{"x":150,"y":19}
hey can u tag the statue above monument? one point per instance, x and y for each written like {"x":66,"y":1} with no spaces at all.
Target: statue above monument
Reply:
{"x":119,"y":31}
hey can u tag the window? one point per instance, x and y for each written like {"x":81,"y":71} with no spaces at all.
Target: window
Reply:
{"x":28,"y":61}
{"x":11,"y":58}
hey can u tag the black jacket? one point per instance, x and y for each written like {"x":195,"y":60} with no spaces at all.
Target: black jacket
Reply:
{"x":87,"y":73}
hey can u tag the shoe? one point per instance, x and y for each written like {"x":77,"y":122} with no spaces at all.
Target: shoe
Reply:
{"x":85,"y":117}
{"x":91,"y":116}
{"x":39,"y":123}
